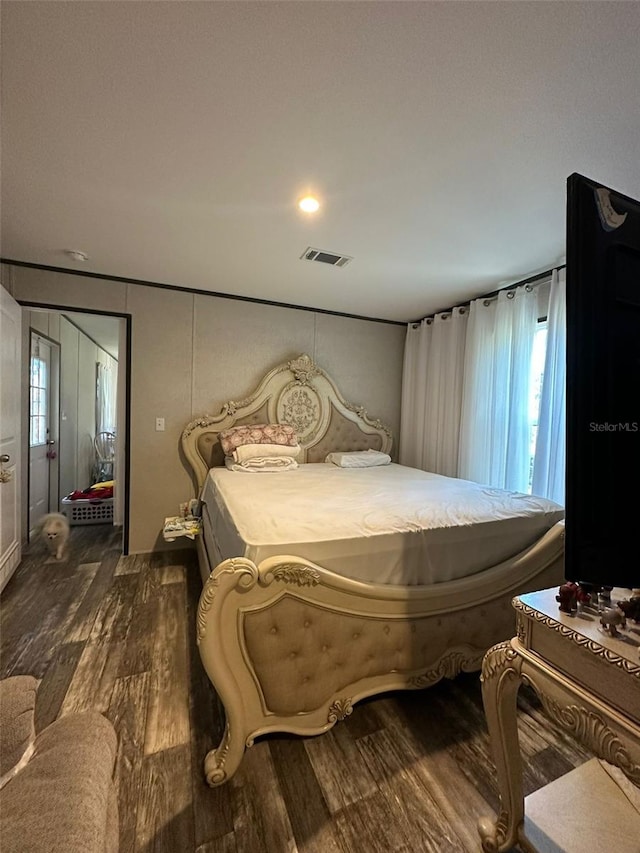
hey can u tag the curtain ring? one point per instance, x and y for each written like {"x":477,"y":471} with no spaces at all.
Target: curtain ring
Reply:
{"x":429,"y":321}
{"x":462,"y":310}
{"x":528,"y":288}
{"x":511,"y":294}
{"x":445,"y":316}
{"x":486,"y":303}
{"x":415,"y":325}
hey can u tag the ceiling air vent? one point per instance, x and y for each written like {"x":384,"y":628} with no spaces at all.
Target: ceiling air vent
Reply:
{"x":323,"y":257}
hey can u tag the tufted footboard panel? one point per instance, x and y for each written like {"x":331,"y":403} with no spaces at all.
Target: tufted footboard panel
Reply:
{"x":303,"y":654}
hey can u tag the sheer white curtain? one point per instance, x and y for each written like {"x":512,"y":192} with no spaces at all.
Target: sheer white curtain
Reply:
{"x":494,"y":429}
{"x":432,"y":392}
{"x":549,"y":459}
{"x":106,"y":384}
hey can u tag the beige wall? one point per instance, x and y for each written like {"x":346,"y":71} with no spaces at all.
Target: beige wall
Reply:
{"x":192,"y":352}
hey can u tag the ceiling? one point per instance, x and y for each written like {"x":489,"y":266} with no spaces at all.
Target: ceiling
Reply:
{"x":170,"y":141}
{"x":102,"y":330}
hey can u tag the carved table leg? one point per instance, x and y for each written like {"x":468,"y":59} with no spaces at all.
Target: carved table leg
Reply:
{"x":500,"y":685}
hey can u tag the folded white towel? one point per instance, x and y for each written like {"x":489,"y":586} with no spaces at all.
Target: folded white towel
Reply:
{"x":261,"y":451}
{"x":359,"y":458}
{"x":260,"y":464}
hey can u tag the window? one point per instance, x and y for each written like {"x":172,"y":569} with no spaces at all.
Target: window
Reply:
{"x":535,"y":385}
{"x":38,"y":415}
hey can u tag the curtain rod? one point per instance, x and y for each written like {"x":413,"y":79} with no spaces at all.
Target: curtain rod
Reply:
{"x":533,"y":280}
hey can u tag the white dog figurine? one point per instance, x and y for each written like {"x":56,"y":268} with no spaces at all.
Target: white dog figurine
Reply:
{"x":54,"y":529}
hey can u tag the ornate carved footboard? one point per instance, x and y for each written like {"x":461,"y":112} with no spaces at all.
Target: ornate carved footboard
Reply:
{"x":291,"y":647}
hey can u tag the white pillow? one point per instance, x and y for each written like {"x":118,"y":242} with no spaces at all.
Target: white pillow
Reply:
{"x":359,"y":459}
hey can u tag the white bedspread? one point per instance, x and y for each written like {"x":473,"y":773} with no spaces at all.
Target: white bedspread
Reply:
{"x":386,"y":524}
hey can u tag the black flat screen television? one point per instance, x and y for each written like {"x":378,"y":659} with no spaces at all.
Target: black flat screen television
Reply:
{"x":602,"y":497}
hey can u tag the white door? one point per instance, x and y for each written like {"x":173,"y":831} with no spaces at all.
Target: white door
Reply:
{"x":10,"y":336}
{"x":41,"y":444}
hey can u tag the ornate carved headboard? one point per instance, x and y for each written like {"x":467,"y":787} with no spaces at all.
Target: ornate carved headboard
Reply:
{"x":299,"y":393}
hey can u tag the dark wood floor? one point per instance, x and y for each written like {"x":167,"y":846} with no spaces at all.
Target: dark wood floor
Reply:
{"x":406,"y":772}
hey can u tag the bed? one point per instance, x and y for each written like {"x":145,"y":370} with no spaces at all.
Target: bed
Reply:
{"x":323,"y":585}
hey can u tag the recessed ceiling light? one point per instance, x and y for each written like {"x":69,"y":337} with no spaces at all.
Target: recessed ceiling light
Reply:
{"x":309,"y":204}
{"x":76,"y":255}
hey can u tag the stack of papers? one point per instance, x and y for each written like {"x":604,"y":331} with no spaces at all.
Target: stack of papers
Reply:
{"x":177,"y":526}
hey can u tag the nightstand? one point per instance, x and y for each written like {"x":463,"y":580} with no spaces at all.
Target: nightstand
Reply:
{"x":589,"y":683}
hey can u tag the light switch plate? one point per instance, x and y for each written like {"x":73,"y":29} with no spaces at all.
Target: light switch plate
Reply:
{"x":159,"y":424}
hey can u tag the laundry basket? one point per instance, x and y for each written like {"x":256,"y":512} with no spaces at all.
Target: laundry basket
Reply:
{"x":94,"y":511}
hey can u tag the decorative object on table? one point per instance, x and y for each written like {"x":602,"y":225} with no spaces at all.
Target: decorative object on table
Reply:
{"x":583,"y":596}
{"x":611,"y":619}
{"x":568,"y":597}
{"x":604,"y":597}
{"x":631,"y":607}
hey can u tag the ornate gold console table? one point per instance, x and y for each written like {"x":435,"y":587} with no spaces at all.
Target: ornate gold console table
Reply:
{"x":588,"y":682}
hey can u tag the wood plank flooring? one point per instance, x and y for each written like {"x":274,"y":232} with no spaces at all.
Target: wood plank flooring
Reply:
{"x":406,"y":772}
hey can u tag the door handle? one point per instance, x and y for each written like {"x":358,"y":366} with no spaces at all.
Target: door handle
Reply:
{"x":51,"y":441}
{"x":5,"y":458}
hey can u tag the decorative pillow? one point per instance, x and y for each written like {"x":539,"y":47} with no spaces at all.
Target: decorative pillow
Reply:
{"x":257,"y":434}
{"x":359,"y":459}
{"x":246,"y":452}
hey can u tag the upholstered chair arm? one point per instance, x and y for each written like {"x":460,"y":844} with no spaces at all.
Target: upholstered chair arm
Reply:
{"x":17,"y":728}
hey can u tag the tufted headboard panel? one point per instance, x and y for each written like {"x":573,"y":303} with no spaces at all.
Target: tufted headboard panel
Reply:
{"x":298,"y":393}
{"x":342,"y":434}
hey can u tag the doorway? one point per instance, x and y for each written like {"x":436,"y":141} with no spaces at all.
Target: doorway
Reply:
{"x":44,"y":383}
{"x":77,"y":366}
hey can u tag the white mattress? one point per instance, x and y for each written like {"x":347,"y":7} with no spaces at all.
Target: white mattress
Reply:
{"x":387,"y":524}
